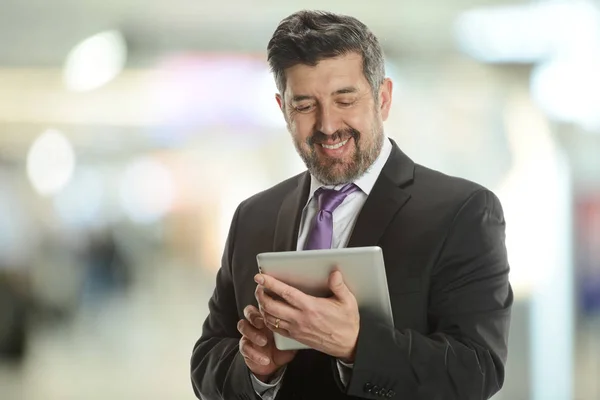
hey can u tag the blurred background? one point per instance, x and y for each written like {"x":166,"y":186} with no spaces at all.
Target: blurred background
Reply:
{"x":130,"y":130}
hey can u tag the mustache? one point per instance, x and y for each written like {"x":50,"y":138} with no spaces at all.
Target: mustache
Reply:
{"x":319,"y":137}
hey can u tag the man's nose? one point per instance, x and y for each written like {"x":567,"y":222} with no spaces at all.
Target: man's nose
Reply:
{"x":329,"y":121}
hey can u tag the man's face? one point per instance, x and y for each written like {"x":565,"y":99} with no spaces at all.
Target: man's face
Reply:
{"x":333,"y":117}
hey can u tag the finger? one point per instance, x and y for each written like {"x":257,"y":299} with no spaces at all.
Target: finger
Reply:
{"x":288,"y":293}
{"x":338,"y":287}
{"x":252,"y":354}
{"x":253,"y":315}
{"x":275,"y":307}
{"x":280,"y":331}
{"x":277,"y":324}
{"x":251,"y":333}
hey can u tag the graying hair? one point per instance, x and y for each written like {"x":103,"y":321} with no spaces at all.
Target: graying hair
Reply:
{"x":307,"y":37}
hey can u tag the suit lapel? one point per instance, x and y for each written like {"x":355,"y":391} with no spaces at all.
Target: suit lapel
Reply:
{"x":385,"y":200}
{"x":290,"y":213}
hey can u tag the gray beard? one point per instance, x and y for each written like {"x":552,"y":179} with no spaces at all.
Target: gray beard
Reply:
{"x":361,"y":162}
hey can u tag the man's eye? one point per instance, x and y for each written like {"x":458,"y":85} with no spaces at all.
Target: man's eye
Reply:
{"x":303,"y":108}
{"x":345,"y":103}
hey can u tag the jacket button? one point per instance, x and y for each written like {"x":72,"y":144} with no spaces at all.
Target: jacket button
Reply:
{"x":368,"y":387}
{"x":390,"y":394}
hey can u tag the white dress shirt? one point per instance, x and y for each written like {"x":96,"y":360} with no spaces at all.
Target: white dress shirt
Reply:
{"x":344,"y":219}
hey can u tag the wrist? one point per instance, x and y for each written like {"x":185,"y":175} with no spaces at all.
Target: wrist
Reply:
{"x":349,"y":355}
{"x":269,"y":378}
{"x":348,"y":359}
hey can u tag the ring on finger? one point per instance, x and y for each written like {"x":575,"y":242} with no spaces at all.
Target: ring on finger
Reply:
{"x":277,"y":321}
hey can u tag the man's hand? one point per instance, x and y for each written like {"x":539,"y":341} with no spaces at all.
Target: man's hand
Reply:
{"x":329,"y":325}
{"x":258,"y":348}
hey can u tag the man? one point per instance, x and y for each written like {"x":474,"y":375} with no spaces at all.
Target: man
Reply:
{"x":442,"y":239}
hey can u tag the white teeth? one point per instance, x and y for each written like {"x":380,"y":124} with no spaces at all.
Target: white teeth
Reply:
{"x":335,"y":146}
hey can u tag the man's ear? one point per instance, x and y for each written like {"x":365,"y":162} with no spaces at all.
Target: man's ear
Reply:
{"x":385,"y":98}
{"x":279,"y":99}
{"x":281,"y":103}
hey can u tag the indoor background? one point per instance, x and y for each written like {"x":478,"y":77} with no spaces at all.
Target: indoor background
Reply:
{"x":130,"y":130}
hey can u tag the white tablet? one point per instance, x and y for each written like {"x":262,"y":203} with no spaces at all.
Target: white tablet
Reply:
{"x":362,"y":268}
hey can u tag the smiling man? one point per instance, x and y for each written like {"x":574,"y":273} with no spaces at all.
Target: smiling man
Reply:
{"x":442,"y":239}
{"x":326,"y":108}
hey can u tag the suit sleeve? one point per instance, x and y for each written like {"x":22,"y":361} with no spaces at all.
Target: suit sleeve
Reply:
{"x":469,"y":307}
{"x":218,"y":371}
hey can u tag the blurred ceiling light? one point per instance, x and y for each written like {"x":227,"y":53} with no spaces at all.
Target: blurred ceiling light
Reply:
{"x":528,"y":33}
{"x":146,"y":191}
{"x":568,"y":90}
{"x":50,"y":162}
{"x":95,"y":61}
{"x":561,"y":39}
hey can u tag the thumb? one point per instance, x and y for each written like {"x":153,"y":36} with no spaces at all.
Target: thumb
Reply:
{"x":337,"y":285}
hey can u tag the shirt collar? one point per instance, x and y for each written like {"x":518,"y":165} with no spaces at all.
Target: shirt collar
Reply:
{"x":367,"y":180}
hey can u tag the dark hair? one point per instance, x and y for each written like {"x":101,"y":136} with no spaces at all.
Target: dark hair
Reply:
{"x":307,"y":37}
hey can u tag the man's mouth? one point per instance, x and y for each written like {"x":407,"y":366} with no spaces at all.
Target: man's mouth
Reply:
{"x":335,"y":146}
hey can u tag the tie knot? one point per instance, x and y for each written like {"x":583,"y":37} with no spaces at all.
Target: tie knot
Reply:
{"x":330,"y":199}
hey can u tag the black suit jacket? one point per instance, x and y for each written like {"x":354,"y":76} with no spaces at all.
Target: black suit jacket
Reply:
{"x":443,"y":244}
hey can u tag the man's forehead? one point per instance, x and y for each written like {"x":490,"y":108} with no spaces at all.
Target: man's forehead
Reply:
{"x":329,"y":83}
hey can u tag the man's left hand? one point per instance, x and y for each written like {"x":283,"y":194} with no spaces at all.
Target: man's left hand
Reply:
{"x":329,"y":325}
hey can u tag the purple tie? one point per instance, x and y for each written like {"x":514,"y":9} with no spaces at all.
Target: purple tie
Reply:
{"x":321,"y":234}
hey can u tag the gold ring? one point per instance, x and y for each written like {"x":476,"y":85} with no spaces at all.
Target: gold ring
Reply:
{"x":277,"y":321}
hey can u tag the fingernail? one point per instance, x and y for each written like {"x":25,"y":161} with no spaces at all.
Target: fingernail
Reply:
{"x":264,"y":361}
{"x":262,"y":341}
{"x":259,"y":279}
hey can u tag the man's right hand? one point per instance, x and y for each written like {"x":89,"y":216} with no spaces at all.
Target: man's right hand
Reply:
{"x":258,"y":347}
